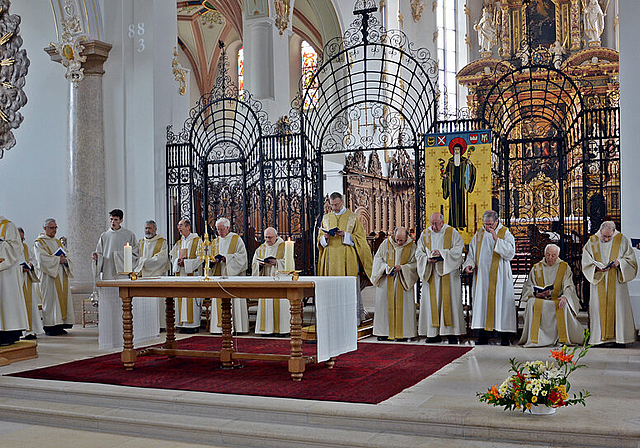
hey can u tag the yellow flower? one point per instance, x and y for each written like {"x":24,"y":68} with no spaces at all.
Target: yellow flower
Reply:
{"x":534,"y":399}
{"x":544,"y":393}
{"x":529,"y":405}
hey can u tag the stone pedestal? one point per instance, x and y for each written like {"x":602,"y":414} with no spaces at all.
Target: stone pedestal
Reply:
{"x":86,"y":210}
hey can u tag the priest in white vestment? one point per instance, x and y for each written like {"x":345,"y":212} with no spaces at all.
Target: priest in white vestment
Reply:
{"x":551,"y":303}
{"x":609,"y":263}
{"x":109,"y":260}
{"x":439,"y":257}
{"x":153,"y":262}
{"x":55,"y":269}
{"x":273,"y":315}
{"x":394,"y":275}
{"x":31,"y":290}
{"x":489,"y":258}
{"x":13,"y":310}
{"x":185,"y":262}
{"x":231,"y":261}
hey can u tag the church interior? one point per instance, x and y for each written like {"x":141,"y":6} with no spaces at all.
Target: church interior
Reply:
{"x":258,"y":110}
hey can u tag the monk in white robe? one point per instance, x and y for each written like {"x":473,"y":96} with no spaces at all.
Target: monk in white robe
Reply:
{"x":109,"y":260}
{"x":153,"y":262}
{"x":489,"y":258}
{"x":608,"y":263}
{"x":342,"y":246}
{"x":13,"y":310}
{"x":439,"y":256}
{"x":185,"y":262}
{"x":550,"y":316}
{"x":394,"y":275}
{"x":273,"y":315}
{"x":55,"y":272}
{"x":231,"y":260}
{"x":31,"y":290}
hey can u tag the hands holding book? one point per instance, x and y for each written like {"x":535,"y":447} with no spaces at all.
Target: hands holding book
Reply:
{"x":542,"y":292}
{"x":601,"y":267}
{"x":268,"y":260}
{"x":435,"y":256}
{"x":334,"y":232}
{"x":219,"y":258}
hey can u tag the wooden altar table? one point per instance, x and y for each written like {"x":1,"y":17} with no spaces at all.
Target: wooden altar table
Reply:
{"x":225,"y":290}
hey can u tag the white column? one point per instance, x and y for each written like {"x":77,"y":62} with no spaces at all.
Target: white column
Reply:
{"x":295,"y":65}
{"x":630,"y":132}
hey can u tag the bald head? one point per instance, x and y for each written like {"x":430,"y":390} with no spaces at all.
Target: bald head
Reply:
{"x":270,"y":236}
{"x":401,"y":235}
{"x":437,"y":221}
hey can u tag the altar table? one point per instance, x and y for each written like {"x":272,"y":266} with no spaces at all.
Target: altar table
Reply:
{"x":224,"y":289}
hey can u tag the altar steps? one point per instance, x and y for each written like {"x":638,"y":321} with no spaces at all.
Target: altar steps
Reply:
{"x":233,"y":420}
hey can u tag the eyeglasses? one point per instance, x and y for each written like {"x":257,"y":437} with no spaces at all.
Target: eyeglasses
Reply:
{"x":50,"y":227}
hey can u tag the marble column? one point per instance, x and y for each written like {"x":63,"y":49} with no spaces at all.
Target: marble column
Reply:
{"x":86,"y":210}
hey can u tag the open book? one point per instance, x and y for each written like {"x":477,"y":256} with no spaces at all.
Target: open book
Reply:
{"x":331,"y":232}
{"x":60,"y":252}
{"x":389,"y":270}
{"x":265,"y":259}
{"x":541,"y":289}
{"x":602,"y":265}
{"x":436,"y":259}
{"x":635,"y":242}
{"x":24,"y":264}
{"x":219,"y":257}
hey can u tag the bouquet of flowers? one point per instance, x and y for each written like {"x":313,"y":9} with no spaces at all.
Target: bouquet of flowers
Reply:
{"x":540,"y":383}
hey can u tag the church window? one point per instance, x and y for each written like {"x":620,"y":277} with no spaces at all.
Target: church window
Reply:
{"x":241,"y":72}
{"x":309,"y":68}
{"x":449,"y":53}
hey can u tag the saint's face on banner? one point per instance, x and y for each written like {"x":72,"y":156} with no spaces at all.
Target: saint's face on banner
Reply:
{"x":458,"y":178}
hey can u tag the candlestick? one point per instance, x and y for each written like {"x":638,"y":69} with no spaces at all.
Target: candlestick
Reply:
{"x":289,"y":263}
{"x":128,"y":258}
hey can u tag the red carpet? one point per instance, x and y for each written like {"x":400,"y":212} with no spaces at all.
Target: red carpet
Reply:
{"x":371,"y":374}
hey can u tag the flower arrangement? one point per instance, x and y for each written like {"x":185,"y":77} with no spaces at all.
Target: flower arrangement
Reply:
{"x":540,"y":383}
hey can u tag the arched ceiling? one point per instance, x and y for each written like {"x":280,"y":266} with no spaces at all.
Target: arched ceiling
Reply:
{"x":201,"y":24}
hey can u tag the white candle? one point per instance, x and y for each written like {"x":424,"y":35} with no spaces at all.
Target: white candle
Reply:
{"x":128,"y":258}
{"x":289,"y":263}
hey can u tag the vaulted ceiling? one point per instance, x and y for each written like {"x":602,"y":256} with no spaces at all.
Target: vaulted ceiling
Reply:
{"x":202,"y":23}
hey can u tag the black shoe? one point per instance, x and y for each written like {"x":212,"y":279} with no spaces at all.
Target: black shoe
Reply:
{"x":482,"y":341}
{"x":30,"y":337}
{"x":67,"y":326}
{"x":187,"y":330}
{"x":401,"y":340}
{"x":504,"y":341}
{"x":434,"y":340}
{"x":453,"y":340}
{"x":383,"y":338}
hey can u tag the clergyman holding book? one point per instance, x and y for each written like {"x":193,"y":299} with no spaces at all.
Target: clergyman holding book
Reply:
{"x":552,"y":303}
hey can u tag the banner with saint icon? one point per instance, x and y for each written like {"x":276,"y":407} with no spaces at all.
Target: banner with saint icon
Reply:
{"x":458,"y":178}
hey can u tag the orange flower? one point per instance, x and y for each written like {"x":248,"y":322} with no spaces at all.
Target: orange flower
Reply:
{"x":494,"y":391}
{"x":560,"y":356}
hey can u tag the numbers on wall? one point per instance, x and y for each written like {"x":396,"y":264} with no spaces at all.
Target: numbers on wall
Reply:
{"x":136,"y":31}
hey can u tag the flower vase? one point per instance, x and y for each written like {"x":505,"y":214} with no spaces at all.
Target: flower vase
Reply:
{"x":540,"y":410}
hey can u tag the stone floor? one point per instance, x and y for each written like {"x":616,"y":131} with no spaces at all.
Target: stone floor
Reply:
{"x":441,"y":410}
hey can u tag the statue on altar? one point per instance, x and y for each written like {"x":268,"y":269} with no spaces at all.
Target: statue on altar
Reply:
{"x":557,"y":50}
{"x":593,"y":22}
{"x":486,"y":29}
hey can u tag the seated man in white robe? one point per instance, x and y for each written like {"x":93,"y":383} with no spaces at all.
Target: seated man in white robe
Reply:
{"x":439,"y":256}
{"x":552,"y":303}
{"x":185,"y":262}
{"x":153,"y":262}
{"x":13,"y":311}
{"x":609,"y":263}
{"x":55,"y":270}
{"x":109,"y":261}
{"x":231,"y":260}
{"x":394,"y":275}
{"x":31,"y":290}
{"x":273,"y":315}
{"x":489,"y":258}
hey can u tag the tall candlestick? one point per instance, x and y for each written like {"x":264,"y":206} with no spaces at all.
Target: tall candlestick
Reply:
{"x":289,"y":263}
{"x":128,"y":258}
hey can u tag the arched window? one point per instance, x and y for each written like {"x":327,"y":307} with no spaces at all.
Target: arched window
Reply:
{"x":451,"y":54}
{"x":309,"y":68}
{"x":240,"y":72}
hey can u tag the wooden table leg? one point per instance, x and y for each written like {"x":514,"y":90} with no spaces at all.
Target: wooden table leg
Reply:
{"x":170,"y":315}
{"x":128,"y":355}
{"x":226,"y":354}
{"x":296,"y":362}
{"x":330,"y":362}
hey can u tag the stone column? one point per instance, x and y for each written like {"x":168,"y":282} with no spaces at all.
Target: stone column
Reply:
{"x":86,"y":212}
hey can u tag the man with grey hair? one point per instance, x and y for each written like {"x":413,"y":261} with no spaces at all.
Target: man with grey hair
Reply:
{"x":609,"y":263}
{"x":153,"y":262}
{"x":551,"y":303}
{"x":439,"y":258}
{"x":230,"y":260}
{"x":55,"y":268}
{"x":394,"y":275}
{"x":31,"y":290}
{"x":185,"y":262}
{"x":489,"y":259}
{"x":273,"y":314}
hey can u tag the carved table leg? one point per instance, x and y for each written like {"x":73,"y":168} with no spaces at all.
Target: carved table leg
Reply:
{"x":330,"y":362}
{"x":170,"y":341}
{"x":296,"y":361}
{"x":226,"y":354}
{"x":128,"y":355}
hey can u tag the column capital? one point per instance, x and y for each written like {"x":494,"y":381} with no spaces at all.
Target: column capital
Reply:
{"x":84,"y":58}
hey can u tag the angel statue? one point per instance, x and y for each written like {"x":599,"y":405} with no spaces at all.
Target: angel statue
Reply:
{"x":557,"y":50}
{"x":593,"y":21}
{"x":486,"y":29}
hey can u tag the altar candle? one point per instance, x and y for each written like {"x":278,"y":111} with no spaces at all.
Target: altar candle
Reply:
{"x":289,"y":263}
{"x":128,"y":258}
